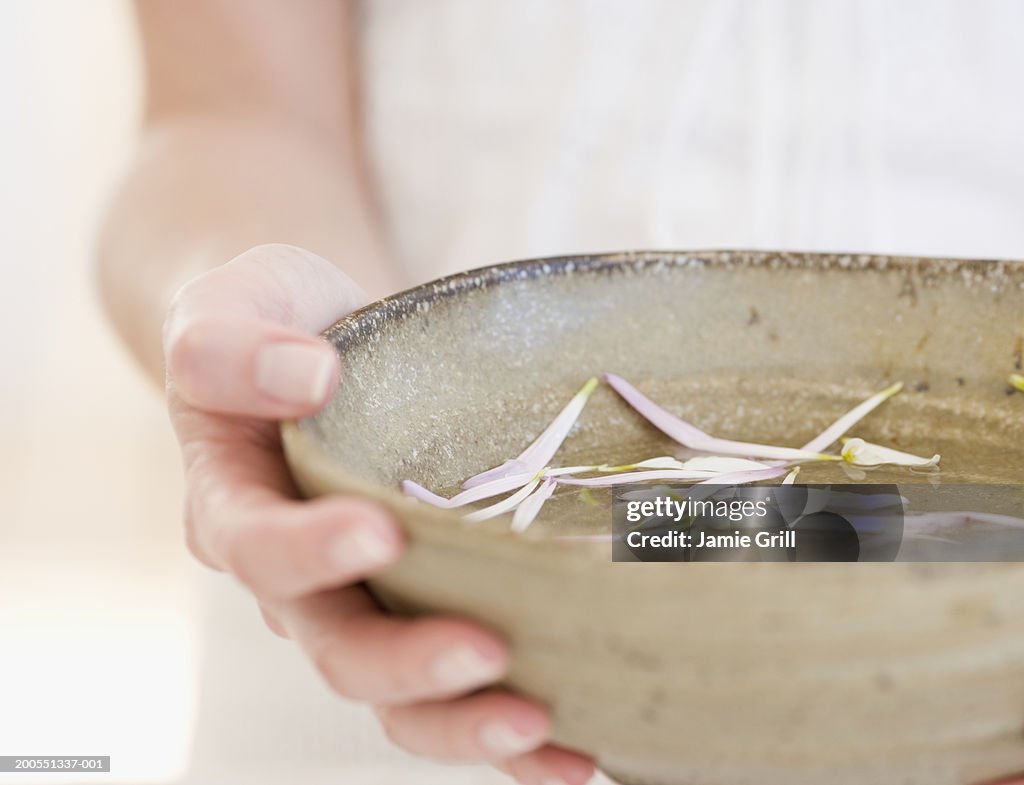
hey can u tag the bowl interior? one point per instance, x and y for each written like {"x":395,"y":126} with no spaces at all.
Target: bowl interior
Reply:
{"x":454,"y":377}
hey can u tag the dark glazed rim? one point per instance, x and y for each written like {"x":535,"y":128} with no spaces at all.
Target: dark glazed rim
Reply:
{"x":1001,"y":273}
{"x":997,"y":275}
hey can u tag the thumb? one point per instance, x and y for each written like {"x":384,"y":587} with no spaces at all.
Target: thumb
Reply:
{"x":242,"y":339}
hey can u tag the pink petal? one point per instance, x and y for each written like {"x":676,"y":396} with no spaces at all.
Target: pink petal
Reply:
{"x":694,"y":438}
{"x":528,"y":509}
{"x":543,"y":448}
{"x":512,"y":466}
{"x":505,"y":505}
{"x":668,"y":423}
{"x":743,"y":478}
{"x":826,"y":438}
{"x":628,"y":477}
{"x":475,"y":494}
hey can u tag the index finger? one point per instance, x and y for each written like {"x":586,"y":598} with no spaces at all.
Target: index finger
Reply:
{"x":242,"y":516}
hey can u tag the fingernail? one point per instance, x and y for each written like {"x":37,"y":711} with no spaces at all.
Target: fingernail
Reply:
{"x":505,"y":741}
{"x":465,"y":666}
{"x":295,"y":372}
{"x":360,"y":549}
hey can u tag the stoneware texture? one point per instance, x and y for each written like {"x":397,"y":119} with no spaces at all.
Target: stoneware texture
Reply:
{"x":701,"y":674}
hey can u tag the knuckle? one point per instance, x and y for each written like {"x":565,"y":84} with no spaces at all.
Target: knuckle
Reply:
{"x":177,"y":310}
{"x":290,"y":268}
{"x":276,"y":251}
{"x":233,"y":552}
{"x":179,"y":300}
{"x":227,"y":542}
{"x":287,"y":265}
{"x":228,"y":531}
{"x":272,"y":622}
{"x":390,"y":726}
{"x":404,"y":680}
{"x":325,"y":656}
{"x":456,"y":743}
{"x":193,"y":528}
{"x":192,"y":540}
{"x":182,"y":345}
{"x":195,"y":549}
{"x":183,"y":341}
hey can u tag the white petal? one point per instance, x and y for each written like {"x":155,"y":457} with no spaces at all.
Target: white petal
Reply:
{"x":528,"y":510}
{"x":505,"y":505}
{"x":724,"y":464}
{"x":626,"y":478}
{"x":662,"y":462}
{"x":862,"y":453}
{"x":696,"y":439}
{"x":745,"y":477}
{"x":823,"y":440}
{"x":564,"y":470}
{"x":544,"y":447}
{"x":475,"y":494}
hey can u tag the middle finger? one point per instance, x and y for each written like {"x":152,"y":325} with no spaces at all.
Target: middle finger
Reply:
{"x":367,"y":655}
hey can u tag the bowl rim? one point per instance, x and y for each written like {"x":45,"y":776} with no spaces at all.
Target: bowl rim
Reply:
{"x":449,"y":526}
{"x":407,"y":301}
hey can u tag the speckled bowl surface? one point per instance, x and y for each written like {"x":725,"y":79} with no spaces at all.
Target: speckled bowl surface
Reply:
{"x":712,"y":673}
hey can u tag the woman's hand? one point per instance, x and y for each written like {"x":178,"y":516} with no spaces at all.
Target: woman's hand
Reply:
{"x":241,"y":352}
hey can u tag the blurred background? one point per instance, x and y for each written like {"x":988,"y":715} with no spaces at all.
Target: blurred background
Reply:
{"x":96,"y":643}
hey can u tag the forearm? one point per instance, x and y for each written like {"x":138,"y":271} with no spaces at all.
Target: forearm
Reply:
{"x":203,"y":189}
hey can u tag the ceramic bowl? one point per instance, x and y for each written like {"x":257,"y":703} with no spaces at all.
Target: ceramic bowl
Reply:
{"x":711,"y":673}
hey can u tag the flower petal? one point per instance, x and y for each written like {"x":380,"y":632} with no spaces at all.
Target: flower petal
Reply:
{"x":563,"y":470}
{"x":661,"y":419}
{"x":825,"y":439}
{"x":744,"y":478}
{"x":505,"y":505}
{"x":662,"y":462}
{"x":511,"y":466}
{"x":543,"y":448}
{"x":470,"y":495}
{"x":696,"y":439}
{"x":628,"y":477}
{"x":723,"y":464}
{"x":530,"y":507}
{"x":417,"y":491}
{"x":862,"y":453}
